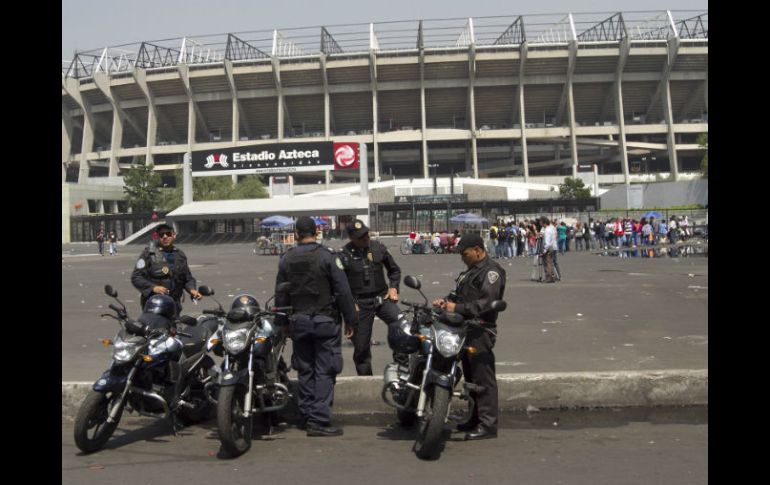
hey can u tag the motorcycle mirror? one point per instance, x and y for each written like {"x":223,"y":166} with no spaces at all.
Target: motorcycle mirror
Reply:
{"x":283,"y":287}
{"x":412,"y":282}
{"x":499,"y":305}
{"x":134,"y":328}
{"x":188,"y":320}
{"x":205,"y":290}
{"x":237,"y":315}
{"x":110,"y":291}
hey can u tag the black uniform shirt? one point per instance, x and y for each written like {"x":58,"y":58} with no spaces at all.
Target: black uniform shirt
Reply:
{"x":478,"y":287}
{"x":352,"y":255}
{"x":330,"y":266}
{"x":179,"y":276}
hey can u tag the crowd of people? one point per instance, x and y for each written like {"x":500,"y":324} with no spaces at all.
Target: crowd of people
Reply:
{"x":510,"y":239}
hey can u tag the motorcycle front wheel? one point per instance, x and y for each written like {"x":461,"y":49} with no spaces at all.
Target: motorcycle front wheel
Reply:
{"x":431,"y":425}
{"x":91,"y":427}
{"x":234,"y":429}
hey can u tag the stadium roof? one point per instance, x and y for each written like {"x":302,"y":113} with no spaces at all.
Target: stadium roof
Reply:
{"x":288,"y":206}
{"x":396,"y":37}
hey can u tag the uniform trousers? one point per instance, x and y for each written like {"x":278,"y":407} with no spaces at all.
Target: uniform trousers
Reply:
{"x":317,"y":358}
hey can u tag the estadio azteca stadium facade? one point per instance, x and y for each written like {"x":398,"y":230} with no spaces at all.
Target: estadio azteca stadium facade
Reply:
{"x":520,"y":97}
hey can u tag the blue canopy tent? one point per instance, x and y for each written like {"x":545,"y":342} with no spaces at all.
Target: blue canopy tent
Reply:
{"x":655,"y":214}
{"x":276,"y":221}
{"x":320,"y":222}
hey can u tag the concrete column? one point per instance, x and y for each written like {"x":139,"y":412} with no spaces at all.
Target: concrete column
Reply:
{"x":328,"y":176}
{"x":236,"y":121}
{"x":706,"y":93}
{"x":375,"y":115}
{"x":280,"y":115}
{"x":66,"y":146}
{"x":620,"y":115}
{"x":115,"y":143}
{"x":86,"y":146}
{"x":522,"y":117}
{"x":152,"y":133}
{"x":572,"y":135}
{"x":472,"y":105}
{"x":190,"y":124}
{"x":670,"y":125}
{"x":425,"y":172}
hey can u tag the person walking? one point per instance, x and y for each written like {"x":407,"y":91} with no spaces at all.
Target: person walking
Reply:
{"x":114,"y":244}
{"x":100,"y":241}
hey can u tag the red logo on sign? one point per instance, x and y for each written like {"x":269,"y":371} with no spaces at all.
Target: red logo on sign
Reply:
{"x":345,"y":155}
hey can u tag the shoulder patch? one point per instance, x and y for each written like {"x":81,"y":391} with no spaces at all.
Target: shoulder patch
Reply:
{"x":140,"y":264}
{"x":339,"y":263}
{"x":331,"y":250}
{"x":493,"y":276}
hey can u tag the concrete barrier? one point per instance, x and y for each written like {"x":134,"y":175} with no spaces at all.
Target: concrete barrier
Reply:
{"x":519,"y":391}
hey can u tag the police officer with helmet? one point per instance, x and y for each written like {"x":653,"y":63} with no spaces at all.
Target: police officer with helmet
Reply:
{"x":163,"y":270}
{"x":477,"y":287}
{"x":319,"y":292}
{"x":365,"y":262}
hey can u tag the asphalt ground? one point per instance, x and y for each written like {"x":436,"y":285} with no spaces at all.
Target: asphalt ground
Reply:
{"x":608,"y":313}
{"x":591,"y":447}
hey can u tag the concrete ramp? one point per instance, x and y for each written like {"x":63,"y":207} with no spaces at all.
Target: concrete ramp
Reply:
{"x":141,"y":232}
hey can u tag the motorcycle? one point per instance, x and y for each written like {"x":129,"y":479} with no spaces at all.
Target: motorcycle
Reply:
{"x":421,"y":392}
{"x":156,"y":371}
{"x":253,"y":379}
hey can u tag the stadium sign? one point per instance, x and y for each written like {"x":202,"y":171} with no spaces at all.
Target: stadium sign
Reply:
{"x":276,"y":158}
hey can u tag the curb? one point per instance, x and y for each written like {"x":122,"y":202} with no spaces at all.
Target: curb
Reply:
{"x":681,"y":387}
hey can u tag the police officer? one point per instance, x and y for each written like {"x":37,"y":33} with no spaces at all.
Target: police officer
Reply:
{"x":365,"y":262}
{"x":164,"y":270}
{"x":477,"y":287}
{"x":319,"y":292}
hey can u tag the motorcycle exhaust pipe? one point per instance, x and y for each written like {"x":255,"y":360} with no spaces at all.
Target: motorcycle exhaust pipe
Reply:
{"x":152,"y":395}
{"x":208,"y":393}
{"x":284,"y":395}
{"x":387,"y":397}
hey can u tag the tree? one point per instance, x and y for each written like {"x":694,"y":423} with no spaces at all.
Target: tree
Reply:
{"x":213,"y":188}
{"x":142,"y":187}
{"x":703,"y":140}
{"x":573,"y":189}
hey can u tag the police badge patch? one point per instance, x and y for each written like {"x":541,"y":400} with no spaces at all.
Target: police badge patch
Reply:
{"x":165,"y":270}
{"x":140,"y":264}
{"x":339,"y":263}
{"x":493,"y":276}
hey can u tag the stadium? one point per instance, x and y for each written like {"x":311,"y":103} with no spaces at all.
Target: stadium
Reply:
{"x":521,"y":100}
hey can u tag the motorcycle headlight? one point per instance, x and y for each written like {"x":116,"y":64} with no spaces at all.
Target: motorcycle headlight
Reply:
{"x":124,"y":351}
{"x":235,"y":340}
{"x":448,"y":343}
{"x":161,"y":345}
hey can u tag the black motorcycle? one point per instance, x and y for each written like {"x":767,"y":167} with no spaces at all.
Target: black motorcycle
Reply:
{"x":253,"y":379}
{"x":421,"y":392}
{"x":156,"y":371}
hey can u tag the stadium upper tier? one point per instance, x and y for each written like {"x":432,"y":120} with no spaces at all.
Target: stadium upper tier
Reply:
{"x":462,"y":93}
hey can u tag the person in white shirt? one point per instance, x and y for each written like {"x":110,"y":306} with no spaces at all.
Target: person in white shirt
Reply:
{"x":550,"y":246}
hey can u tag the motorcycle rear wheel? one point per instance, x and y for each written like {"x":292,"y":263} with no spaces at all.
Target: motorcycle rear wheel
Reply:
{"x":234,"y":429}
{"x":91,"y":427}
{"x":431,"y":426}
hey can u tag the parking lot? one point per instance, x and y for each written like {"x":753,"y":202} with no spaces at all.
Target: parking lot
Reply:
{"x":608,"y":313}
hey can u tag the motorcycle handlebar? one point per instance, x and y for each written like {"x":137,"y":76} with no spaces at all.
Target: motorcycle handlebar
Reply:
{"x":115,"y":307}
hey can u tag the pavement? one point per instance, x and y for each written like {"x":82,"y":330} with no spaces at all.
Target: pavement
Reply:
{"x":616,"y":331}
{"x":617,"y":446}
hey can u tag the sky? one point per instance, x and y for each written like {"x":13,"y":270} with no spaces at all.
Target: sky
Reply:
{"x":95,"y":24}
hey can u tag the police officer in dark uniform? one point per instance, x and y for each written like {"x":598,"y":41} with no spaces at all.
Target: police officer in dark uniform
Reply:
{"x":365,"y":262}
{"x":164,"y":270}
{"x":477,"y":287}
{"x":319,"y":292}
